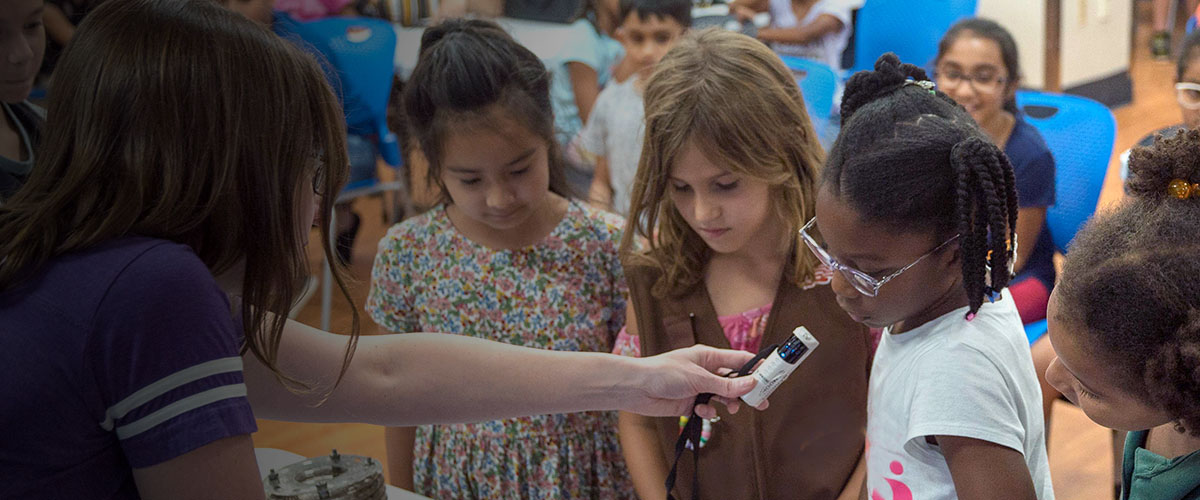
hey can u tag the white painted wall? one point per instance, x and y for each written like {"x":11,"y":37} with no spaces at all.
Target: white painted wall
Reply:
{"x":1096,"y":39}
{"x":1026,"y":20}
{"x":1095,"y":43}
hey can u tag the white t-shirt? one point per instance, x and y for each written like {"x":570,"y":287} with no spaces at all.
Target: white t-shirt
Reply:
{"x":826,"y":50}
{"x":614,"y":130}
{"x":952,"y":377}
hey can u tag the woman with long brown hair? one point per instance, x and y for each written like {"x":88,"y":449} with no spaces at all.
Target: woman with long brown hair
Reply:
{"x":145,"y":265}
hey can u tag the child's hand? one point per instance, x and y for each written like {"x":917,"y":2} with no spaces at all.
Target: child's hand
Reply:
{"x":742,"y":13}
{"x":671,"y":381}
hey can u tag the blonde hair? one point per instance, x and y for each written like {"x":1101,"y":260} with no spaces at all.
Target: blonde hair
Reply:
{"x":734,"y":98}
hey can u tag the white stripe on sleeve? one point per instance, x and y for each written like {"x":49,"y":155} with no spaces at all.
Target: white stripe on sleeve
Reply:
{"x":180,"y":407}
{"x":168,"y":383}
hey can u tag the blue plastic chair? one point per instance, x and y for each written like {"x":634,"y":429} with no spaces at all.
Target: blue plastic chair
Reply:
{"x":817,"y":82}
{"x":360,"y":57}
{"x":1080,"y":133}
{"x":910,"y":28}
{"x":361,"y":51}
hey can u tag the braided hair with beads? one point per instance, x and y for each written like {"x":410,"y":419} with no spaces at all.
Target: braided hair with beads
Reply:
{"x":909,"y":156}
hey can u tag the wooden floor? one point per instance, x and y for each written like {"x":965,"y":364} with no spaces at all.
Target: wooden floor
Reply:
{"x":1080,"y":451}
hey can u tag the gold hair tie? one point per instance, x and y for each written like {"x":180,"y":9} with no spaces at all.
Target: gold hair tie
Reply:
{"x":1182,"y":190}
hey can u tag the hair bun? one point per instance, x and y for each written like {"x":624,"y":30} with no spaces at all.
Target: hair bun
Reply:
{"x":1169,"y":159}
{"x":866,"y":86}
{"x":434,"y":34}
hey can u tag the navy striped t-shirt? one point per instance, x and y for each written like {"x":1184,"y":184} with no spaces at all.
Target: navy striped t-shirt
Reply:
{"x":122,"y":356}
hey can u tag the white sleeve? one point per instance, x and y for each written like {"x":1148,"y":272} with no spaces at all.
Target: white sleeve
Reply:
{"x":836,"y":8}
{"x":591,"y":138}
{"x":964,"y":393}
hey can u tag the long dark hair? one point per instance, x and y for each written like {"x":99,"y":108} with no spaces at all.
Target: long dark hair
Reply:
{"x":909,"y":156}
{"x":1132,"y":281}
{"x":464,"y":68}
{"x":181,"y":120}
{"x":989,"y":30}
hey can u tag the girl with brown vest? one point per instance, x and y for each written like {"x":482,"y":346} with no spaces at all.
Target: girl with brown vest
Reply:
{"x":727,"y":178}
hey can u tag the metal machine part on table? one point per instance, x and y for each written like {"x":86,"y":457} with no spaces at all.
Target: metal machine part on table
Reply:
{"x":332,"y":477}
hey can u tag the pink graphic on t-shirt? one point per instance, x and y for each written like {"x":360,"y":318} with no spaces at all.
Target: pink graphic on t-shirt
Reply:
{"x":900,"y":490}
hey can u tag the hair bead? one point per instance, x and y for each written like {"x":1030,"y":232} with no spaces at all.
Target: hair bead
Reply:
{"x":1181,"y":189}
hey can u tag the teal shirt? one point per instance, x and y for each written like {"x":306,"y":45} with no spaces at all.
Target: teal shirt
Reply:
{"x":1148,"y":476}
{"x":591,"y":48}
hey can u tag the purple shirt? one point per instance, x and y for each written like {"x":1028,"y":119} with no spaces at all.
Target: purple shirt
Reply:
{"x":121,"y":356}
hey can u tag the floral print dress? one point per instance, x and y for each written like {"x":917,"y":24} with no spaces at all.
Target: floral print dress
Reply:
{"x":565,"y":293}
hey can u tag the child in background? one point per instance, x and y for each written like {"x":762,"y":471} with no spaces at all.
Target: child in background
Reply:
{"x":579,"y":72}
{"x":1124,"y":321}
{"x":508,"y":257}
{"x":917,"y":211}
{"x":727,"y":178}
{"x":812,"y":29}
{"x":1187,"y":94}
{"x":22,"y":40}
{"x":612,"y":138}
{"x":361,"y":150}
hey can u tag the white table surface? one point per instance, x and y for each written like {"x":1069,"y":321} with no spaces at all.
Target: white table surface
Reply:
{"x":272,"y":458}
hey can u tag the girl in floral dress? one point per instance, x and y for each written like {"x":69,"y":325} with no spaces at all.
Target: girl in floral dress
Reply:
{"x":508,"y":256}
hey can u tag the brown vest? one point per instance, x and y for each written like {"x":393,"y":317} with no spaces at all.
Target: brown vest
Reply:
{"x":806,"y":445}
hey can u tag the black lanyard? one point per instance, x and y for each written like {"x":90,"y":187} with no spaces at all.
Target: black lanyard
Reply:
{"x":691,"y":430}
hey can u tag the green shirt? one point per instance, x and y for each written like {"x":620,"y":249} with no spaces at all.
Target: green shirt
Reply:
{"x":1148,"y":476}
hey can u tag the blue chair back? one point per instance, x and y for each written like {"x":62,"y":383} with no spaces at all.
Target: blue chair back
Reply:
{"x":910,"y":28}
{"x":1080,"y":133}
{"x":362,"y":52}
{"x":1191,"y":25}
{"x":817,"y":82}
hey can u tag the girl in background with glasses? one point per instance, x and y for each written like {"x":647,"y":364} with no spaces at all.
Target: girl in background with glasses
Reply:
{"x":1187,"y":94}
{"x":727,"y":176}
{"x":917,"y":210}
{"x":977,"y":66}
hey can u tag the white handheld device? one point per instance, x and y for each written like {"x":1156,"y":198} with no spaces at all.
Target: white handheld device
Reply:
{"x":781,"y":363}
